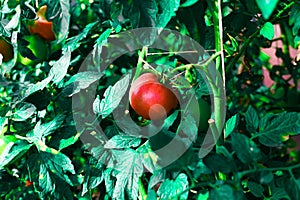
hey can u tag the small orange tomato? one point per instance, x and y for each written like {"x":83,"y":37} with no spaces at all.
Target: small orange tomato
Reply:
{"x":42,"y":27}
{"x":28,"y":183}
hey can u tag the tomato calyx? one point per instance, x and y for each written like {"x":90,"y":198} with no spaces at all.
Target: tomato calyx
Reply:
{"x":42,"y":26}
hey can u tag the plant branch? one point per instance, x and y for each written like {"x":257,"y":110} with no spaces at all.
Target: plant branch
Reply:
{"x":289,"y":168}
{"x":201,"y":66}
{"x":142,"y":190}
{"x":216,"y":11}
{"x":139,"y":67}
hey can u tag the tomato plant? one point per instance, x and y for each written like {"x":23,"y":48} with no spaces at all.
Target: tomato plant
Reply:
{"x":190,"y":99}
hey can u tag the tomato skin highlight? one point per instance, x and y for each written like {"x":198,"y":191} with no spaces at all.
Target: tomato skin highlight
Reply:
{"x":42,"y":27}
{"x":6,"y":50}
{"x":150,"y":99}
{"x":143,"y":79}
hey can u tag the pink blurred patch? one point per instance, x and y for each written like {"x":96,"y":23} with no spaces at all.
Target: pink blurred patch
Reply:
{"x":274,"y":60}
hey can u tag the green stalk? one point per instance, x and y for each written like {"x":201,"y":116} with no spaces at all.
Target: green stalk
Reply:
{"x":139,"y":66}
{"x":142,"y":190}
{"x":216,"y":11}
{"x":251,"y":171}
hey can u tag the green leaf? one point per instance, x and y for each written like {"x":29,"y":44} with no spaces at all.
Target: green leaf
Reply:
{"x":295,"y":21}
{"x":109,"y":181}
{"x":151,"y":13}
{"x":245,"y":149}
{"x":200,"y":169}
{"x":24,"y":111}
{"x":169,"y":189}
{"x":60,"y":67}
{"x":266,"y":7}
{"x":53,"y":179}
{"x":266,"y":177}
{"x":189,"y":129}
{"x":231,"y":125}
{"x":129,"y":169}
{"x":73,"y":42}
{"x":83,"y":80}
{"x":293,"y":188}
{"x":53,"y":170}
{"x":13,"y":151}
{"x":63,"y":143}
{"x":57,"y":162}
{"x":267,"y":30}
{"x":169,"y":8}
{"x":148,"y":157}
{"x":122,"y":141}
{"x":14,"y":21}
{"x":103,"y":37}
{"x":3,"y":122}
{"x":255,"y":188}
{"x":273,"y":126}
{"x":151,"y":195}
{"x":93,"y":176}
{"x":188,"y":3}
{"x":203,"y":196}
{"x":279,"y":193}
{"x":64,"y":19}
{"x":45,"y":180}
{"x":218,"y":163}
{"x":158,"y":176}
{"x":112,"y":97}
{"x":222,"y":192}
{"x":43,"y":130}
{"x":8,"y":184}
{"x":252,"y":120}
{"x":32,"y":88}
{"x":147,"y":13}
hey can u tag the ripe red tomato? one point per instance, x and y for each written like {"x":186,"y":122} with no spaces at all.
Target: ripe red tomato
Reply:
{"x":151,"y":99}
{"x":6,"y":50}
{"x":42,"y":26}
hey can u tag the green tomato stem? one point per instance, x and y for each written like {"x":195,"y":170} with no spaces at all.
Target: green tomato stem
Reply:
{"x":142,"y":190}
{"x":216,"y":11}
{"x":139,"y":66}
{"x":251,"y":171}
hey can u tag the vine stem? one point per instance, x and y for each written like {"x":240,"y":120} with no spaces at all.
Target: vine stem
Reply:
{"x":142,"y":190}
{"x":289,"y":168}
{"x":219,"y":44}
{"x":216,"y":11}
{"x":139,"y":66}
{"x":200,"y":65}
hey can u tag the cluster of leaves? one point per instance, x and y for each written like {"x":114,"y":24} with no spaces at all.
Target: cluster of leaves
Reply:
{"x":46,"y":97}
